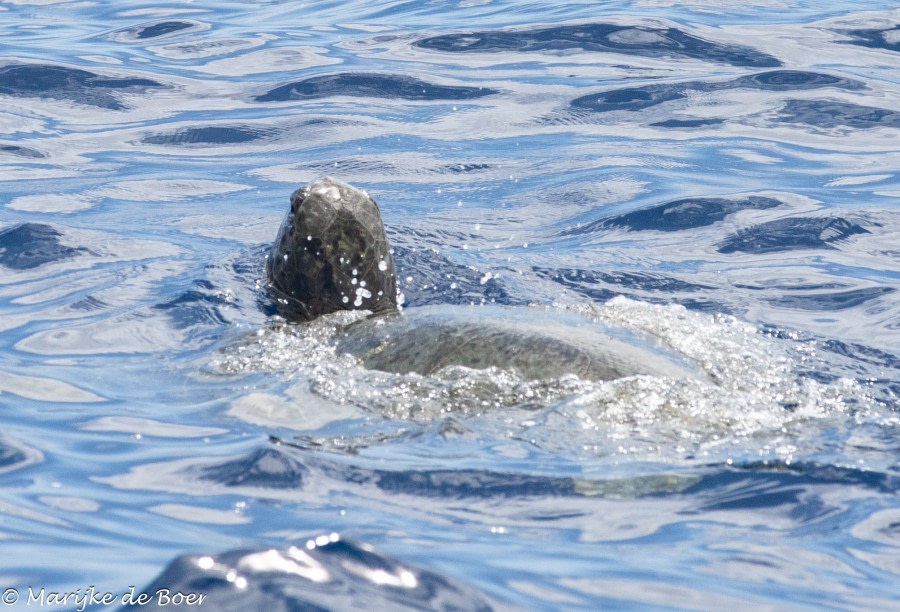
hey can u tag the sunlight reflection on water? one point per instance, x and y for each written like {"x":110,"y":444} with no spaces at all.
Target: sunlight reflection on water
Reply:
{"x":716,"y":176}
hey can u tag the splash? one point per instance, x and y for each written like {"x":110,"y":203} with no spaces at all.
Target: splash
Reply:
{"x":761,"y":405}
{"x":758,"y":402}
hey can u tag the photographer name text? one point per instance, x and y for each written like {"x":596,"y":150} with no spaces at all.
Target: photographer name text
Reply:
{"x":82,"y":599}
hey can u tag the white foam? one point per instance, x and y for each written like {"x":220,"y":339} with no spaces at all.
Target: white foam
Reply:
{"x":759,"y":403}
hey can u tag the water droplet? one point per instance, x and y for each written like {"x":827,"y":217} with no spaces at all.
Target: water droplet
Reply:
{"x":382,"y":265}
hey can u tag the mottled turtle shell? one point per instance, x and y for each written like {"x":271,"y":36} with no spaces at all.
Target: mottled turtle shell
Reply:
{"x":331,"y":254}
{"x":538,"y":343}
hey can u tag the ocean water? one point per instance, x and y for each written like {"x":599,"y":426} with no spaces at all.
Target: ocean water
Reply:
{"x":718,"y":178}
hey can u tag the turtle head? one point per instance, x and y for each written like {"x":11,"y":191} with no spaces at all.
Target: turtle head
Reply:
{"x":331,"y":254}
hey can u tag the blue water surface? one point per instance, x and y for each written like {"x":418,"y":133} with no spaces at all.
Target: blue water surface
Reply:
{"x":721,"y":177}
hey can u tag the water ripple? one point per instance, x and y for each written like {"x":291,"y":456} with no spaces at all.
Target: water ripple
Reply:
{"x":602,"y":37}
{"x":715,"y":178}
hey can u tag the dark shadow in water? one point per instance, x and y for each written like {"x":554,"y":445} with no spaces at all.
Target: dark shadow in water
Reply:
{"x":161,"y":29}
{"x":679,"y":215}
{"x":10,"y":457}
{"x":386,"y":166}
{"x":462,"y":168}
{"x":741,"y":492}
{"x":888,"y":38}
{"x":639,"y":98}
{"x":698,"y":304}
{"x":629,"y":99}
{"x":30,"y":245}
{"x":467,"y":484}
{"x":686,"y":123}
{"x":370,"y":85}
{"x":240,"y":134}
{"x":642,"y":281}
{"x":831,"y":114}
{"x":19,"y":151}
{"x":791,"y":287}
{"x":198,"y":306}
{"x":267,"y":468}
{"x":790,"y":234}
{"x":591,"y":284}
{"x":14,"y":455}
{"x":788,"y":80}
{"x":62,"y":83}
{"x":600,"y":37}
{"x":820,"y":302}
{"x":437,"y":280}
{"x":214,"y":134}
{"x":776,"y":483}
{"x":146,"y":31}
{"x":334,"y":574}
{"x":288,"y":466}
{"x":88,"y":303}
{"x":798,"y":491}
{"x":205,"y":305}
{"x":445,"y":484}
{"x":249,"y":268}
{"x":860,"y":352}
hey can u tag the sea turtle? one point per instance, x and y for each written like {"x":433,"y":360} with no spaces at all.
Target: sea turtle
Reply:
{"x":332,"y":254}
